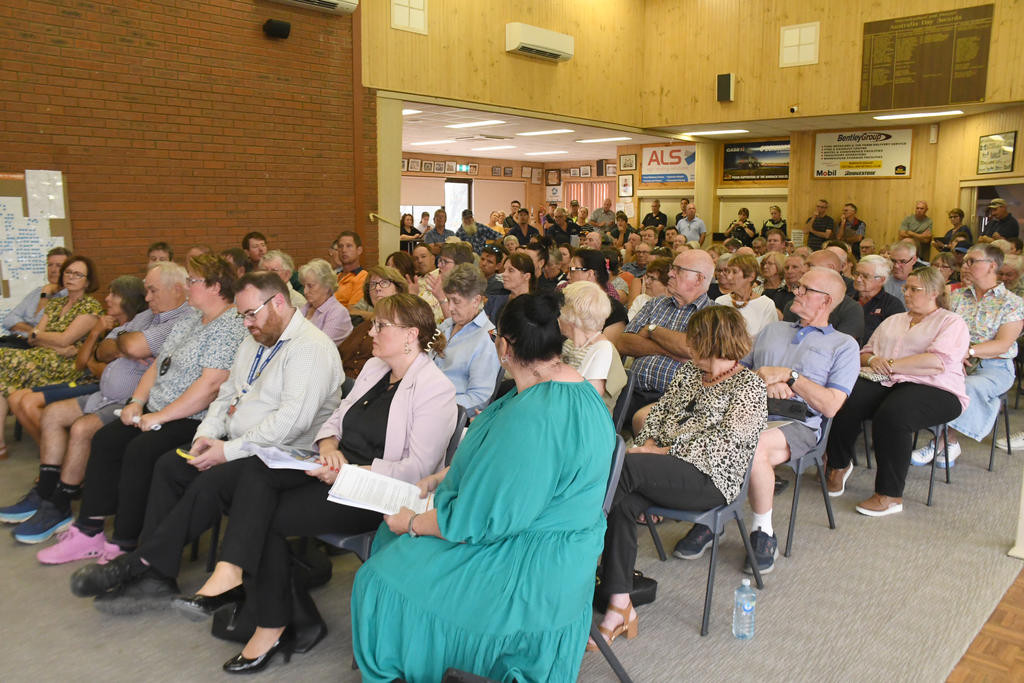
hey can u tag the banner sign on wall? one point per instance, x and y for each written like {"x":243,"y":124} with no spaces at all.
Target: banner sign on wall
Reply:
{"x":863,"y":153}
{"x":756,"y":160}
{"x":672,"y":164}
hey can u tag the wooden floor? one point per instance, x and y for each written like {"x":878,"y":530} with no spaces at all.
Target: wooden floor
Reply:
{"x":997,"y":653}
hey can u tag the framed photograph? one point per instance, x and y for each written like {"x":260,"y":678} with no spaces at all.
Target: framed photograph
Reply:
{"x":449,"y":167}
{"x":496,"y":170}
{"x":574,"y":172}
{"x":996,"y":152}
{"x":525,"y":172}
{"x":537,"y":176}
{"x":626,"y":185}
{"x":405,"y":164}
{"x":507,"y":171}
{"x":415,"y":165}
{"x":627,"y":162}
{"x":585,"y":171}
{"x":610,"y":170}
{"x":428,"y":166}
{"x":553,"y":176}
{"x":474,"y":169}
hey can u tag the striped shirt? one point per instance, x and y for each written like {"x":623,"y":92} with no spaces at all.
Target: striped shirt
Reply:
{"x":656,"y":371}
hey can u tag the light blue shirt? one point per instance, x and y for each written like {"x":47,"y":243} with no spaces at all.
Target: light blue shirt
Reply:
{"x":25,"y":311}
{"x":470,"y":361}
{"x":692,"y":229}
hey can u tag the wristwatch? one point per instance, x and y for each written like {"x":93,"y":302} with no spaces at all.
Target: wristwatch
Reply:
{"x":651,"y":328}
{"x":793,"y":377}
{"x":970,"y":351}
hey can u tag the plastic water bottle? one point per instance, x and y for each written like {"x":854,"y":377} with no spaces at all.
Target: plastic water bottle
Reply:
{"x":744,"y":604}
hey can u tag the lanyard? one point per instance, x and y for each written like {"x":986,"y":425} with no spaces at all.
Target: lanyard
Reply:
{"x":256,"y":370}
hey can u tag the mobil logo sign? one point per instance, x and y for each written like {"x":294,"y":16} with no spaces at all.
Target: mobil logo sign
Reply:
{"x":668,"y":164}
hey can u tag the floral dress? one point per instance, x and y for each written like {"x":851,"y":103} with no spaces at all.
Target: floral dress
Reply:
{"x":39,"y":366}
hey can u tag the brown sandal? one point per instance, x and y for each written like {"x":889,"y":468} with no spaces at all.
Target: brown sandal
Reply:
{"x":628,"y":626}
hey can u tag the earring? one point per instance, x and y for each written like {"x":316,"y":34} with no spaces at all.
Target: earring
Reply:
{"x":406,"y":350}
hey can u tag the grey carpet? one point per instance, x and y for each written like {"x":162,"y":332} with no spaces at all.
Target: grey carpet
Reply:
{"x":898,"y":598}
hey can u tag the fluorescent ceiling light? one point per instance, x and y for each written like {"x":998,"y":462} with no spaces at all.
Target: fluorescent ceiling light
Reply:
{"x":488,"y":149}
{"x":474,"y":124}
{"x":603,"y":140}
{"x":537,"y":154}
{"x":917,"y":115}
{"x":430,"y":142}
{"x":717,"y":132}
{"x":407,"y":112}
{"x":547,"y":132}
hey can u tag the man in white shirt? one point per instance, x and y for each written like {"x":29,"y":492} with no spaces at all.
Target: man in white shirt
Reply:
{"x":284,"y":384}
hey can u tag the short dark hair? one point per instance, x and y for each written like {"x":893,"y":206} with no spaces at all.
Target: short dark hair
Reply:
{"x":161,"y":246}
{"x":540,"y":250}
{"x":132,"y":292}
{"x":236,"y":256}
{"x":852,"y":206}
{"x":460,"y":252}
{"x":252,"y":236}
{"x":58,"y":251}
{"x":402,"y":262}
{"x":529,"y":323}
{"x":215,"y":270}
{"x":594,"y":261}
{"x":269,"y":284}
{"x":91,"y":278}
{"x":350,"y":233}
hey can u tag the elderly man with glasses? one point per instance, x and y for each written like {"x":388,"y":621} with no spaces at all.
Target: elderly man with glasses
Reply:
{"x":870,"y":274}
{"x":904,"y":260}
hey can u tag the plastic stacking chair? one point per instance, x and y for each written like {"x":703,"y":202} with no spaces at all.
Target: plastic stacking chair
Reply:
{"x":799,"y":466}
{"x":360,"y":543}
{"x":942,"y":429}
{"x":715,"y":519}
{"x":1004,"y":407}
{"x":622,"y":404}
{"x":618,"y":458}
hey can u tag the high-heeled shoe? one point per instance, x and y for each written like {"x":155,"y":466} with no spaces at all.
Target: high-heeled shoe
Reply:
{"x":243,"y":665}
{"x":628,"y":626}
{"x":198,"y":607}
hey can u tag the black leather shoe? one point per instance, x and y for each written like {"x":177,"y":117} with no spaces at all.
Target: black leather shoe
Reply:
{"x":241,"y":665}
{"x":198,"y":607}
{"x":97,"y":579}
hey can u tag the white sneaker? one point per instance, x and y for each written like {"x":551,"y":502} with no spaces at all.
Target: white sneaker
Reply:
{"x":923,"y":456}
{"x":954,"y":453}
{"x":1016,"y":441}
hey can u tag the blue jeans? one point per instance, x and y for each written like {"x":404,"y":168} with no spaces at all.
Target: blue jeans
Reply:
{"x":992,"y":379}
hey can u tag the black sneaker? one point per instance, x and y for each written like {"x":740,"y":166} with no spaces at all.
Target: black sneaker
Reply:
{"x":97,"y":579}
{"x":766,"y":550}
{"x":150,"y":592}
{"x":694,"y":543}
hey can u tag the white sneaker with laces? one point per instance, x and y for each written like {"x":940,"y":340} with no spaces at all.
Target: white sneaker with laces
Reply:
{"x":1016,"y":441}
{"x":923,"y":456}
{"x":954,"y":453}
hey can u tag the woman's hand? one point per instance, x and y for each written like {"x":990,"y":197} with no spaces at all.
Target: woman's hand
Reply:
{"x":399,"y":522}
{"x":147,"y":421}
{"x":880,"y":366}
{"x":429,"y":484}
{"x":648,"y":446}
{"x":66,"y":351}
{"x":130,"y":413}
{"x":331,"y":460}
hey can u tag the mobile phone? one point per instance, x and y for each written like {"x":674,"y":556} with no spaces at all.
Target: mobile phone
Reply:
{"x":185,"y":454}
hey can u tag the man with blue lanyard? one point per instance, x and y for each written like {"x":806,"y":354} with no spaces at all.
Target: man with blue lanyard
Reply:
{"x":284,"y":384}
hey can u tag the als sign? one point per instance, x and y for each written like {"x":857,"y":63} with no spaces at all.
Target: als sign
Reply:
{"x":863,"y":154}
{"x":673,"y":164}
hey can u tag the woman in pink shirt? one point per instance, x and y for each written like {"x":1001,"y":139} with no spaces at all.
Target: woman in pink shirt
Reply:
{"x":912,"y":377}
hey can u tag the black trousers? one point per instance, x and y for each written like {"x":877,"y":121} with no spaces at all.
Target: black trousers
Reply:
{"x":635,"y":402}
{"x":119,"y":471}
{"x":896,"y":413}
{"x":270,"y":505}
{"x":649,"y":479}
{"x":183,"y":503}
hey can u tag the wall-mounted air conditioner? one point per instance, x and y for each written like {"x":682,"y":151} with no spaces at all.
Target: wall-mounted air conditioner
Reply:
{"x":529,"y":40}
{"x":329,"y":6}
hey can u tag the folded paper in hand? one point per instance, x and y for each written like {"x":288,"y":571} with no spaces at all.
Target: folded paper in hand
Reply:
{"x":281,"y":457}
{"x":368,"y":490}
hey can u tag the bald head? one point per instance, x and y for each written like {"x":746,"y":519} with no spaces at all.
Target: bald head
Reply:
{"x":698,"y":259}
{"x":829,"y":281}
{"x":825,"y":259}
{"x":744,"y":250}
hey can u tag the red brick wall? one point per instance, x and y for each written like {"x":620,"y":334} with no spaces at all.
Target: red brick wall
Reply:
{"x":179,"y":120}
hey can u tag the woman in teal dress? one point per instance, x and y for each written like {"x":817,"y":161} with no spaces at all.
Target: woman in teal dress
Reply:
{"x":498,"y":578}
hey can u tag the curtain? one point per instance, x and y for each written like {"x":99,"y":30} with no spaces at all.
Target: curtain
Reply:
{"x":590,"y":195}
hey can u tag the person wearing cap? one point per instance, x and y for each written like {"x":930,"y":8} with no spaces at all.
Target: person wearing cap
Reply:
{"x":1000,"y":224}
{"x":523,"y":231}
{"x":918,"y":227}
{"x":477,"y":234}
{"x":574,"y":211}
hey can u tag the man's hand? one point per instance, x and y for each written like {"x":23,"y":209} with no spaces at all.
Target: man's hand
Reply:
{"x":780,"y":390}
{"x":774,"y":374}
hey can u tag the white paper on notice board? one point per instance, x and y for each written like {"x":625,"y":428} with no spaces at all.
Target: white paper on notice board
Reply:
{"x":45,"y":192}
{"x":11,"y":206}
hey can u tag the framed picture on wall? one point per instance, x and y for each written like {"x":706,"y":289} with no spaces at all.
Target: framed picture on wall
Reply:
{"x":626,"y":185}
{"x":537,"y":176}
{"x":553,"y":176}
{"x":525,"y":172}
{"x":627,"y":162}
{"x":495,"y":170}
{"x":610,"y":170}
{"x":415,"y":165}
{"x":574,"y":172}
{"x":405,"y":164}
{"x":428,"y":166}
{"x":584,"y":171}
{"x":474,"y":169}
{"x":996,"y":152}
{"x":449,"y":167}
{"x":507,"y":171}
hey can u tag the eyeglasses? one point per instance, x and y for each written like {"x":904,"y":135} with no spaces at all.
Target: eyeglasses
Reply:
{"x":379,"y":284}
{"x":74,"y":274}
{"x":251,"y":315}
{"x":905,"y":261}
{"x":865,"y":276}
{"x":194,"y":280}
{"x":378,"y":325}
{"x":445,"y":261}
{"x":910,"y":288}
{"x":802,"y":289}
{"x":679,"y":270}
{"x":971,"y":261}
{"x":578,"y":269}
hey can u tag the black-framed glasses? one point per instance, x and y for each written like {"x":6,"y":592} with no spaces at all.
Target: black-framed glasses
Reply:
{"x":802,"y":289}
{"x":74,"y":275}
{"x":679,"y":270}
{"x":379,"y":284}
{"x":971,"y":261}
{"x":251,"y":315}
{"x":905,"y":261}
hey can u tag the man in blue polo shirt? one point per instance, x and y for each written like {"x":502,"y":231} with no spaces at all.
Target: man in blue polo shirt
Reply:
{"x":657,"y":335}
{"x":812,"y":367}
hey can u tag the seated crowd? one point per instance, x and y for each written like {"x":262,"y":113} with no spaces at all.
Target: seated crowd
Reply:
{"x":145,"y":408}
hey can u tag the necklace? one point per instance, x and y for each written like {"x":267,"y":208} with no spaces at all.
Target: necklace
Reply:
{"x":722,"y":375}
{"x":738,"y":303}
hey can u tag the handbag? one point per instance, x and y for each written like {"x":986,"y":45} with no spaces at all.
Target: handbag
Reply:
{"x":645,"y":590}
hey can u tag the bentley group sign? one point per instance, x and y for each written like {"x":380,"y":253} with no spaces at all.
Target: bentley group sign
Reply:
{"x":863,"y":154}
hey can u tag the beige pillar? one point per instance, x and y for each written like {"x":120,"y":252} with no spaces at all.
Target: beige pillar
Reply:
{"x":704,"y":185}
{"x":389,"y":174}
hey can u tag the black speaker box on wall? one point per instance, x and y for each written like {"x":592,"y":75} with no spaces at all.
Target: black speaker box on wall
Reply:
{"x":277,"y":29}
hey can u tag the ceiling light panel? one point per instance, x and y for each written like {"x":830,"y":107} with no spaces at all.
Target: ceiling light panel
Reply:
{"x":917,"y":115}
{"x":546,"y":132}
{"x":431,"y":142}
{"x":475,"y":124}
{"x":584,"y":142}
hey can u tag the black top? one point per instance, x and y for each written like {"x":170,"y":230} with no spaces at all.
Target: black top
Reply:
{"x":781,"y":296}
{"x":1007,"y":228}
{"x":495,"y":286}
{"x":877,"y":309}
{"x":365,"y":425}
{"x":618,"y":314}
{"x":655,"y":219}
{"x":531,"y":232}
{"x":768,"y":225}
{"x":847,"y":317}
{"x":821,"y":224}
{"x":739,"y":231}
{"x":563,"y":236}
{"x":509,"y":223}
{"x":549,"y":285}
{"x":947,"y":239}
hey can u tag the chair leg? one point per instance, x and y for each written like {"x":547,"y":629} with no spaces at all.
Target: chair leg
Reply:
{"x":709,"y":592}
{"x":609,"y":656}
{"x":750,"y":551}
{"x":798,"y":470}
{"x":945,"y":450}
{"x":657,"y":539}
{"x":828,"y":501}
{"x":1006,"y":422}
{"x":931,"y":480}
